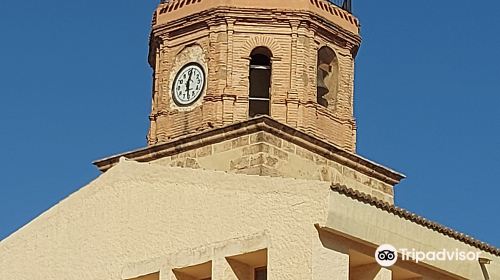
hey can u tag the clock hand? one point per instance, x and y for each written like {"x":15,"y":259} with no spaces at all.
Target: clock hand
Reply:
{"x":189,"y":81}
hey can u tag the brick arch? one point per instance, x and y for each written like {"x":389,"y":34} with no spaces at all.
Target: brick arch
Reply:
{"x":262,"y":41}
{"x":330,"y":46}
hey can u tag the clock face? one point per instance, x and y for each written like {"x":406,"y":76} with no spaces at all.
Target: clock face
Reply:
{"x":188,"y":84}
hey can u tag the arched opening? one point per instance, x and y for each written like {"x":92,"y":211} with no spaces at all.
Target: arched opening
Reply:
{"x":260,"y":82}
{"x":327,"y":80}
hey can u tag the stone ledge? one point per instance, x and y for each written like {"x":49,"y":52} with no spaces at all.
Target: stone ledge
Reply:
{"x":306,"y":145}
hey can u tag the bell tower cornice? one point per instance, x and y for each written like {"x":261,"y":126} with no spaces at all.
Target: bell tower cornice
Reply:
{"x":171,"y":28}
{"x":218,"y":15}
{"x":178,"y":9}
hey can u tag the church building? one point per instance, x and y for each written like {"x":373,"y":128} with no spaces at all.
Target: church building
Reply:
{"x":250,"y":170}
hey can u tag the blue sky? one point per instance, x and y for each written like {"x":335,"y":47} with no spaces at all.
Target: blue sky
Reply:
{"x":75,"y":87}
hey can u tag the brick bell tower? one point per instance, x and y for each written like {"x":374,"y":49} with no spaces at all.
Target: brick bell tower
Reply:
{"x":290,"y":60}
{"x":258,"y":88}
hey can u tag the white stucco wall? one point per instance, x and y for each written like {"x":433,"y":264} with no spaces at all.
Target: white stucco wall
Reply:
{"x":138,"y":212}
{"x":141,"y":218}
{"x":361,"y":221}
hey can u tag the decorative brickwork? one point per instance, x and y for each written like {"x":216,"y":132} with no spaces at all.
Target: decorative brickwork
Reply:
{"x":220,"y":36}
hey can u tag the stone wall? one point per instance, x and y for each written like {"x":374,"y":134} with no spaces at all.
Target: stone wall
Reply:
{"x":264,"y":154}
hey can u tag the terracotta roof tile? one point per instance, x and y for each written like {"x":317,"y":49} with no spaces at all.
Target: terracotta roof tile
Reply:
{"x":407,"y":215}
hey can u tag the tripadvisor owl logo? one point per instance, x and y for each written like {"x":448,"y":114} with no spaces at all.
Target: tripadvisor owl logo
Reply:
{"x":386,"y":255}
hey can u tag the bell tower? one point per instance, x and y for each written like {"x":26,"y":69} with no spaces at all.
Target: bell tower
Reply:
{"x":290,"y":60}
{"x":258,"y":88}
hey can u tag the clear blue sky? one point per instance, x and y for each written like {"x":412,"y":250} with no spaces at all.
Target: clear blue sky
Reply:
{"x":75,"y":87}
